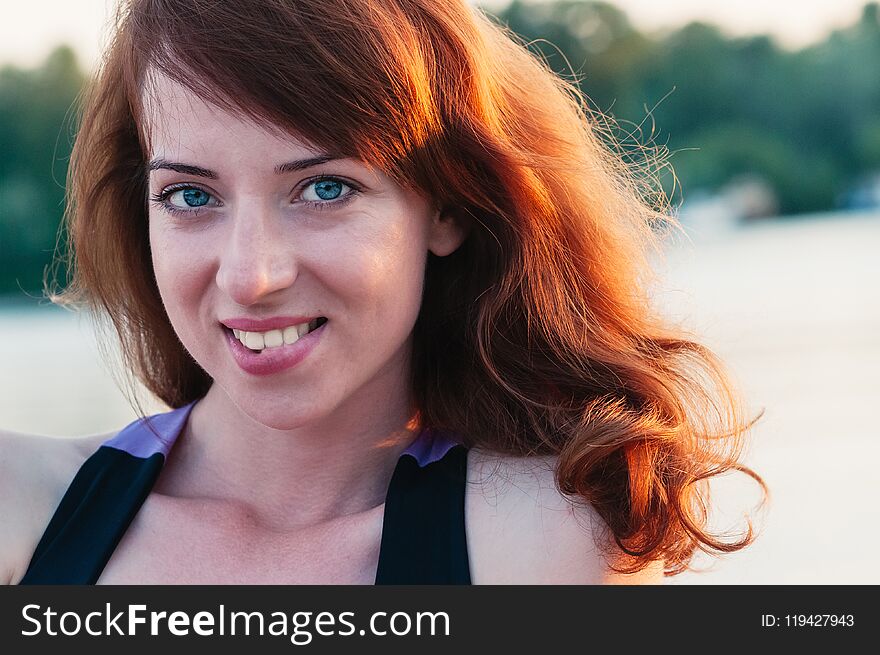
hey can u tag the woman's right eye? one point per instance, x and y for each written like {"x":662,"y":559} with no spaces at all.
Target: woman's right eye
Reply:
{"x":184,"y":199}
{"x":189,"y":197}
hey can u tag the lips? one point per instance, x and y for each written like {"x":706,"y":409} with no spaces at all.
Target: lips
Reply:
{"x":270,"y":361}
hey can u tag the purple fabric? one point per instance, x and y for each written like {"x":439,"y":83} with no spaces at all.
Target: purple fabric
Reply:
{"x":139,"y":440}
{"x":430,"y":446}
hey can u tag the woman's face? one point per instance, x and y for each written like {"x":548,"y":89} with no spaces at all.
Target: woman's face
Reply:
{"x":236,"y":234}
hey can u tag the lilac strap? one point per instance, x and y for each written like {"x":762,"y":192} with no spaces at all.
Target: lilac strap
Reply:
{"x":430,"y":446}
{"x":139,"y":440}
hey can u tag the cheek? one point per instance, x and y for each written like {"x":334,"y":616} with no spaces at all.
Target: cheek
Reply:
{"x":178,"y":276}
{"x":388,"y":275}
{"x":166,"y":266}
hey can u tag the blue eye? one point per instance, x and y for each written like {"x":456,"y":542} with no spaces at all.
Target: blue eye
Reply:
{"x":183,"y":199}
{"x":328,"y":189}
{"x":195,"y":197}
{"x":192,"y":196}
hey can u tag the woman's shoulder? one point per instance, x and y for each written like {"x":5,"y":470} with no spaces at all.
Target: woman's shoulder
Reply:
{"x":523,"y":530}
{"x":35,"y":471}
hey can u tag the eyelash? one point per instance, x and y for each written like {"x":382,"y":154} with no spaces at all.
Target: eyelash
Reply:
{"x":161,"y":198}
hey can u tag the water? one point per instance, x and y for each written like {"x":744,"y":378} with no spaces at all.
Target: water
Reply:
{"x":792,"y":307}
{"x":53,"y":379}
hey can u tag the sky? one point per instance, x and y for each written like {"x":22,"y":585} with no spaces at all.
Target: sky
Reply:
{"x":29,"y":29}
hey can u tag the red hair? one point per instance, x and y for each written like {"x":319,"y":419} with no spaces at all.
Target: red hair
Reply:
{"x":537,"y":336}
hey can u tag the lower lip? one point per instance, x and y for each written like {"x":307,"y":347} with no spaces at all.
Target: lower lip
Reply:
{"x":273,"y":360}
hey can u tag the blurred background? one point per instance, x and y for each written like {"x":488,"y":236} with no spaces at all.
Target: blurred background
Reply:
{"x":770,"y":115}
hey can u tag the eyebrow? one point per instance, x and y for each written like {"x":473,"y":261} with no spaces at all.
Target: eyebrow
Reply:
{"x":198,"y":171}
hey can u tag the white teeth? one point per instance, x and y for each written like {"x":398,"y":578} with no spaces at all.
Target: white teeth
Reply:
{"x":291,"y":334}
{"x":273,"y":338}
{"x":254,"y":340}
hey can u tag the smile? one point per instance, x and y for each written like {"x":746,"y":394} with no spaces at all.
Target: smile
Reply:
{"x":258,"y":341}
{"x":270,"y":359}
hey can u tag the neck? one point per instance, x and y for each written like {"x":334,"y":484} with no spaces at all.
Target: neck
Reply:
{"x":288,"y":479}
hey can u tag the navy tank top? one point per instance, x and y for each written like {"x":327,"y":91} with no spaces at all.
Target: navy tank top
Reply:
{"x":423,"y":529}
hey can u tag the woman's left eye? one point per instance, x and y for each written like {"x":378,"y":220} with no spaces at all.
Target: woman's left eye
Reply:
{"x":327,"y":191}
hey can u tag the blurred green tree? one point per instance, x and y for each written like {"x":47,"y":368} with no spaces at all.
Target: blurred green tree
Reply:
{"x":36,"y":132}
{"x":806,"y":121}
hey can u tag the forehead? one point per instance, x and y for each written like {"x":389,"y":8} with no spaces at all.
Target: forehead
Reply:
{"x":176,"y":118}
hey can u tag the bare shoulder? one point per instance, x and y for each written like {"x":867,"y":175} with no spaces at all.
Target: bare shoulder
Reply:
{"x":523,"y":530}
{"x":35,"y":471}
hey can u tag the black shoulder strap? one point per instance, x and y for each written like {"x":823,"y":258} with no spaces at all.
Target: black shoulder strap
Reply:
{"x":423,"y":532}
{"x":93,"y":515}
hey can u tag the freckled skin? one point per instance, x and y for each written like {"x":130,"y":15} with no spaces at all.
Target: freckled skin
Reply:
{"x":255,"y":249}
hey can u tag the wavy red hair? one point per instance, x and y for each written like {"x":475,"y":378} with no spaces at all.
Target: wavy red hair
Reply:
{"x":537,"y":336}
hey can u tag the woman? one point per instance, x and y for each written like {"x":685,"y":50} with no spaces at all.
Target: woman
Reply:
{"x":377,"y":259}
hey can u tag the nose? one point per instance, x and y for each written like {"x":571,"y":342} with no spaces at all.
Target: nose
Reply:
{"x":256,"y":259}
